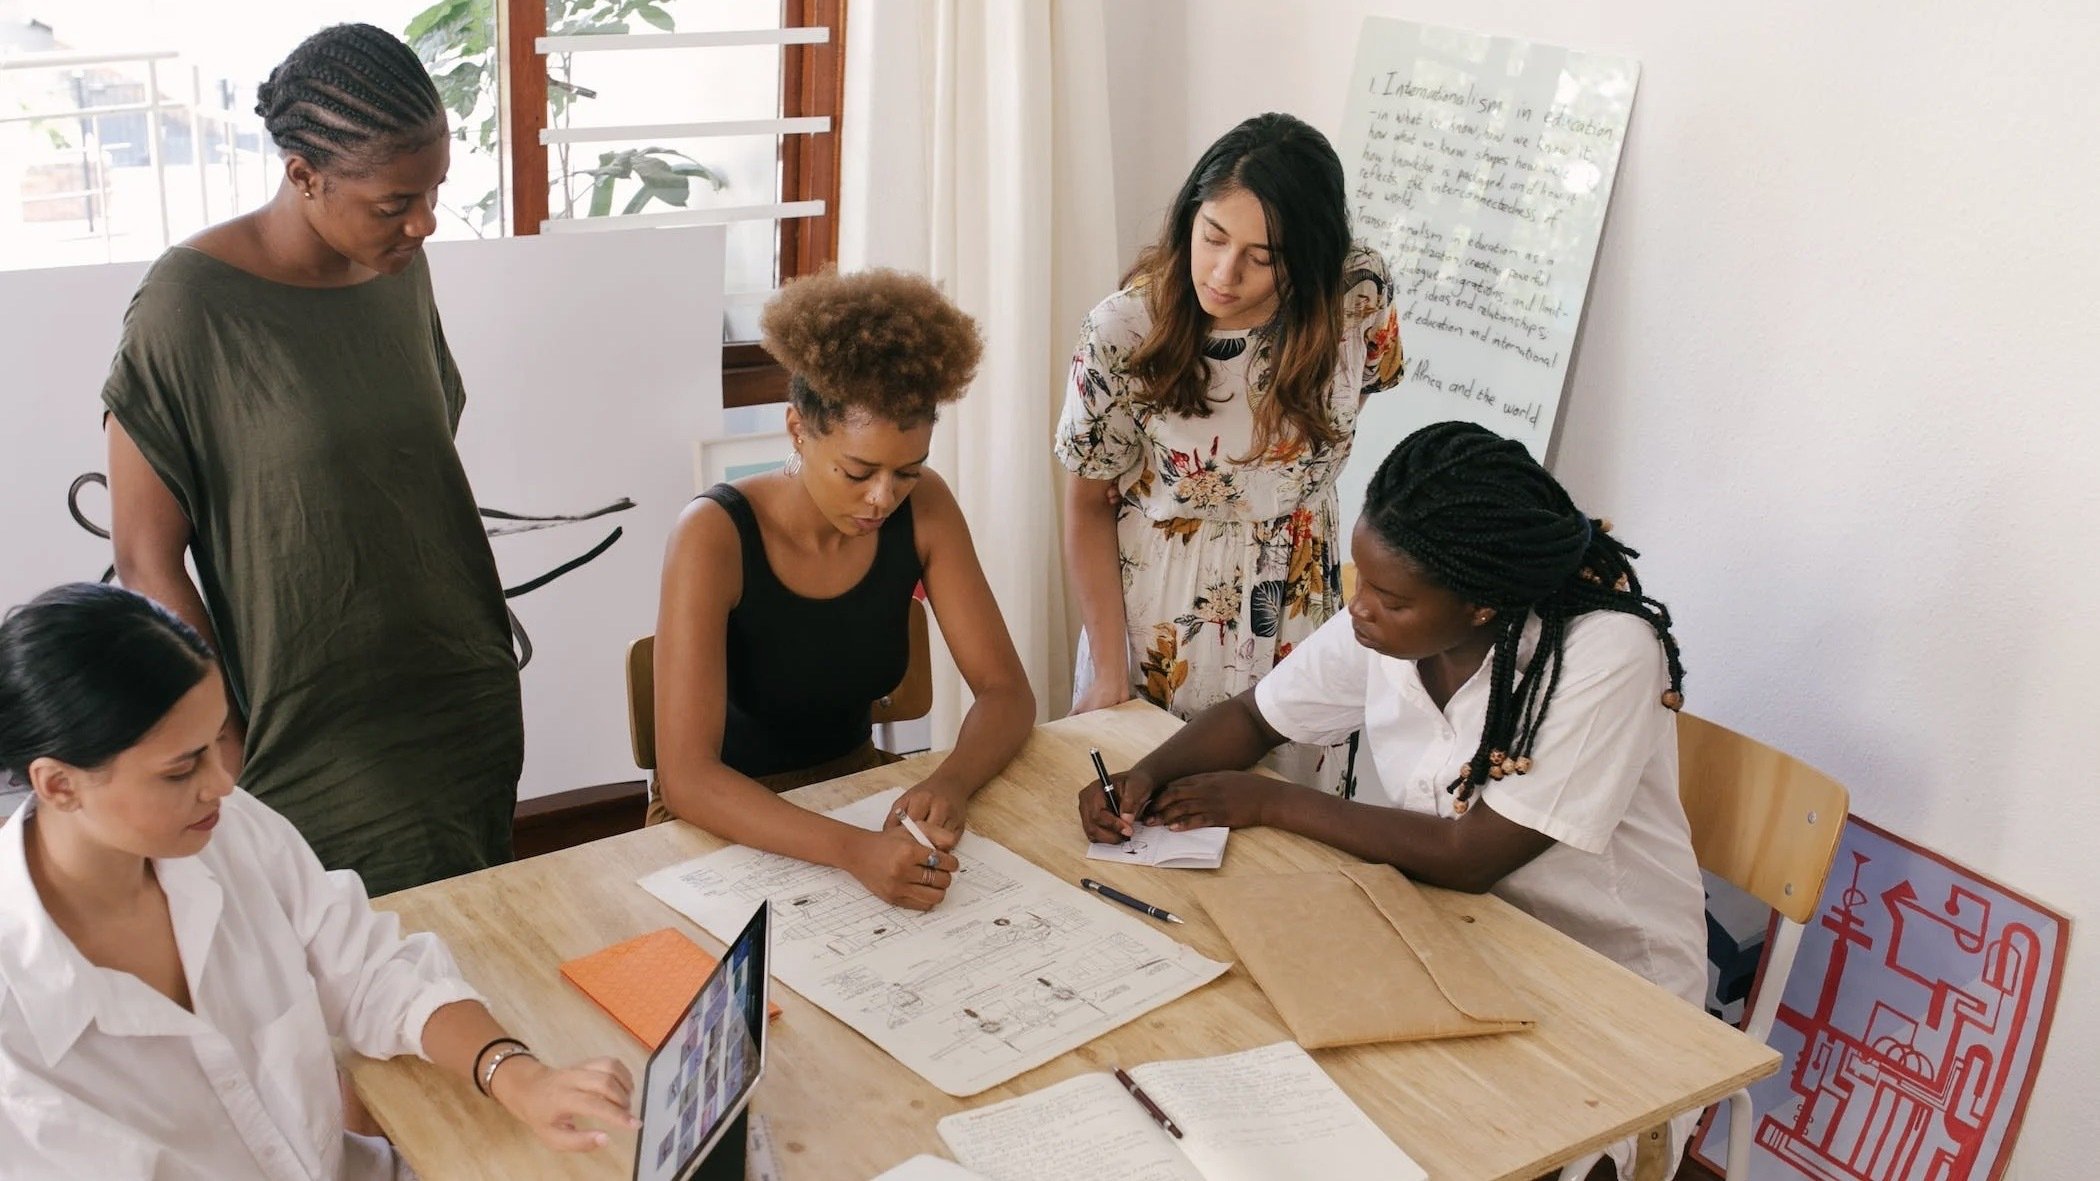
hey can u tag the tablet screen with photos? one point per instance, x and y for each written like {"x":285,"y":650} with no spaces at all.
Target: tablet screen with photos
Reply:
{"x":698,"y":1081}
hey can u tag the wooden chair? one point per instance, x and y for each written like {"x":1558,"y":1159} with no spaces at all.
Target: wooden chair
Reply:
{"x":1768,"y":824}
{"x":912,"y":698}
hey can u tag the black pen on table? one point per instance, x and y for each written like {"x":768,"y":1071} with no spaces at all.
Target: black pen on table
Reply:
{"x":1151,"y":1108}
{"x":1115,"y":895}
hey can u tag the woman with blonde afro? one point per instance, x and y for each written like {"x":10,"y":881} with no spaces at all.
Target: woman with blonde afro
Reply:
{"x":786,"y":596}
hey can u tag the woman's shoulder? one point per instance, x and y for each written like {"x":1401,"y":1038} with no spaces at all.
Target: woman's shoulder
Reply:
{"x":1367,"y":282}
{"x":178,"y":291}
{"x":1123,"y":317}
{"x":932,"y":497}
{"x":1601,"y":641}
{"x":707,"y":529}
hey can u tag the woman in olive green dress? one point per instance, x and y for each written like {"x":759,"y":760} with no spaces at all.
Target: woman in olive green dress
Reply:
{"x":282,"y":409}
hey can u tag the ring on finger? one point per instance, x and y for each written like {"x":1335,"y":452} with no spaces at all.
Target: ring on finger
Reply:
{"x":933,"y":861}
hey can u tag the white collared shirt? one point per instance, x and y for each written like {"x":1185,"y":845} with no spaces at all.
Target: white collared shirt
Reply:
{"x":103,"y":1077}
{"x":1621,"y":877}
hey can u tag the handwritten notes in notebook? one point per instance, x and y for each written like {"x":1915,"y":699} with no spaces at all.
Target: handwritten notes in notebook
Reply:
{"x":1251,"y":1116}
{"x":1012,"y":969}
{"x":1158,"y":845}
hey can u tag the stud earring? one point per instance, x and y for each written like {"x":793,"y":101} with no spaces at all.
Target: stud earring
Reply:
{"x":309,"y":194}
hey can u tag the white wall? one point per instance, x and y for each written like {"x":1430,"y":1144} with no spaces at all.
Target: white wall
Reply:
{"x":568,"y":410}
{"x":1836,"y":380}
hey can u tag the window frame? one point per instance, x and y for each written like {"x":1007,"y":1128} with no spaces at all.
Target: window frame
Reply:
{"x":812,"y":82}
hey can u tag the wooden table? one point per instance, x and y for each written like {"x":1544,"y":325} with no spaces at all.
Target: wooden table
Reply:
{"x":1611,"y":1054}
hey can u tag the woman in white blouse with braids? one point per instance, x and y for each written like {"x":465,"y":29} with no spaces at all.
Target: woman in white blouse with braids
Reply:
{"x":173,"y":958}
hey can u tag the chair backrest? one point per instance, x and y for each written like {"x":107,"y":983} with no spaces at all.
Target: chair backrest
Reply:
{"x":912,"y":698}
{"x":1763,"y":821}
{"x":641,"y":701}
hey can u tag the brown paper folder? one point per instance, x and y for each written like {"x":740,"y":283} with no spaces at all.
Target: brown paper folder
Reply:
{"x":1357,"y":954}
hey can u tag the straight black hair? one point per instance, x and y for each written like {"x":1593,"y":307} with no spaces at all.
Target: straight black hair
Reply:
{"x":86,"y":670}
{"x":349,"y":97}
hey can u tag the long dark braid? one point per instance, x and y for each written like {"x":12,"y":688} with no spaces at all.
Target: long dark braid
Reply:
{"x":350,"y":91}
{"x":1483,"y":519}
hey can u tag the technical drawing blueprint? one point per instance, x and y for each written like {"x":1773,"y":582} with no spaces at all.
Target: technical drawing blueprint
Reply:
{"x":1013,"y":968}
{"x":1913,"y":1024}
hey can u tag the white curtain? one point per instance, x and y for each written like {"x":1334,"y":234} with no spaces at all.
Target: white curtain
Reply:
{"x":976,"y":151}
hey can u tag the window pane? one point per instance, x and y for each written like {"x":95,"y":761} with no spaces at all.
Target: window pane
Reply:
{"x":81,"y":187}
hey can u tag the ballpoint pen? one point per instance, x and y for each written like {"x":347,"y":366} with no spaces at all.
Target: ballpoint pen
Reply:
{"x":1115,"y":895}
{"x":1108,"y":789}
{"x":1151,"y":1108}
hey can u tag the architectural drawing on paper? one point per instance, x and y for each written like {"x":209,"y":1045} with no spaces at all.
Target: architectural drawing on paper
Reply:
{"x":1013,"y":968}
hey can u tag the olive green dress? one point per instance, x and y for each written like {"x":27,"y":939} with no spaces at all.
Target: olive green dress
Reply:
{"x":307,"y":433}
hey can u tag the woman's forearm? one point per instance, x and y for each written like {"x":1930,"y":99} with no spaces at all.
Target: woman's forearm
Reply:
{"x":745,"y":812}
{"x":1093,"y":563}
{"x":1229,"y":736}
{"x":992,"y":733}
{"x":1417,"y":844}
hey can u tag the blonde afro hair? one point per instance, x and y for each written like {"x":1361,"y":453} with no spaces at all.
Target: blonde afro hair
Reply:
{"x":880,"y":342}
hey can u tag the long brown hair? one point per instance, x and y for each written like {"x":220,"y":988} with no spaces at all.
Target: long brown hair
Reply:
{"x":1292,"y":170}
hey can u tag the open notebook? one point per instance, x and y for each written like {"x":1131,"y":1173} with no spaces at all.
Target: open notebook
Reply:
{"x":1158,"y":845}
{"x":1251,"y":1116}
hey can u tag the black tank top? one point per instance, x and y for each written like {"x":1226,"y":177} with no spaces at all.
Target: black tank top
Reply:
{"x":804,"y":672}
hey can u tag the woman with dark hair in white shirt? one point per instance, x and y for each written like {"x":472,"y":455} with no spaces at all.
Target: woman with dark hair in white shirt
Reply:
{"x":174,"y":960}
{"x":1515,"y":691}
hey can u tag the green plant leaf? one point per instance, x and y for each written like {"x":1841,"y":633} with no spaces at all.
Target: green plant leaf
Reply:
{"x":653,"y":171}
{"x":601,"y":197}
{"x":430,"y":18}
{"x":713,"y":178}
{"x":656,"y":16}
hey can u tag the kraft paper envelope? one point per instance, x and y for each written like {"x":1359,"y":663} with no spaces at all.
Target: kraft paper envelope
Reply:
{"x":1357,"y":954}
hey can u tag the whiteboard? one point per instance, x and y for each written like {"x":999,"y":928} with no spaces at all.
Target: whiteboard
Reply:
{"x":1481,"y":167}
{"x":592,"y":364}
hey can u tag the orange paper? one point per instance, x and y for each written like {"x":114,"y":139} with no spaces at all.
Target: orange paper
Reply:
{"x":646,"y":982}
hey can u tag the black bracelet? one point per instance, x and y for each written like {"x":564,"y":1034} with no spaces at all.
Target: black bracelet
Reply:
{"x":474,"y":1071}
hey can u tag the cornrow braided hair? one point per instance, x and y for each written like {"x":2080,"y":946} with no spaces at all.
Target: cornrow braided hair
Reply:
{"x":1484,"y":519}
{"x":350,"y":91}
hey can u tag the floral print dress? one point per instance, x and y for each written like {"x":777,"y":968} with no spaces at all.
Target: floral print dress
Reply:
{"x":1226,"y":564}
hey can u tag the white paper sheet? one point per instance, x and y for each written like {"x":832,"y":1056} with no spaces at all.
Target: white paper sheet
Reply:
{"x":1158,"y":845}
{"x":1012,"y":969}
{"x":1251,"y":1116}
{"x":929,"y":1168}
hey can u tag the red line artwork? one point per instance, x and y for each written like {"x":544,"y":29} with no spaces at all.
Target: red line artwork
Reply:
{"x":1912,"y":1024}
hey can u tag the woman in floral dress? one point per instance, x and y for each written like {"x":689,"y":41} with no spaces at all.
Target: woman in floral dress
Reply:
{"x":1211,"y":407}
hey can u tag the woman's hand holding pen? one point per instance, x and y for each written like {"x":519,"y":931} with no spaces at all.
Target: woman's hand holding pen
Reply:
{"x":1104,"y":824}
{"x":896,"y":868}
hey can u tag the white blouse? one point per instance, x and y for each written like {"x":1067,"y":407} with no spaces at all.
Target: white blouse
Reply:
{"x":104,"y":1077}
{"x":1621,"y":877}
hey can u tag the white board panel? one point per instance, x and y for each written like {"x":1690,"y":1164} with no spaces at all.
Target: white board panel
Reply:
{"x":592,"y":363}
{"x":1481,"y":166}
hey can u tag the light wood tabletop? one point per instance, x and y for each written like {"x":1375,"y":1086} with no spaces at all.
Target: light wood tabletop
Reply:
{"x":1611,"y":1054}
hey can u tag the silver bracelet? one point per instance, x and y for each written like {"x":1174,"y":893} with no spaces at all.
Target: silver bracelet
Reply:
{"x":488,"y":1073}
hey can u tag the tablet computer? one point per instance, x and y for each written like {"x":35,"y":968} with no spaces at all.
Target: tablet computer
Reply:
{"x":698,"y":1081}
